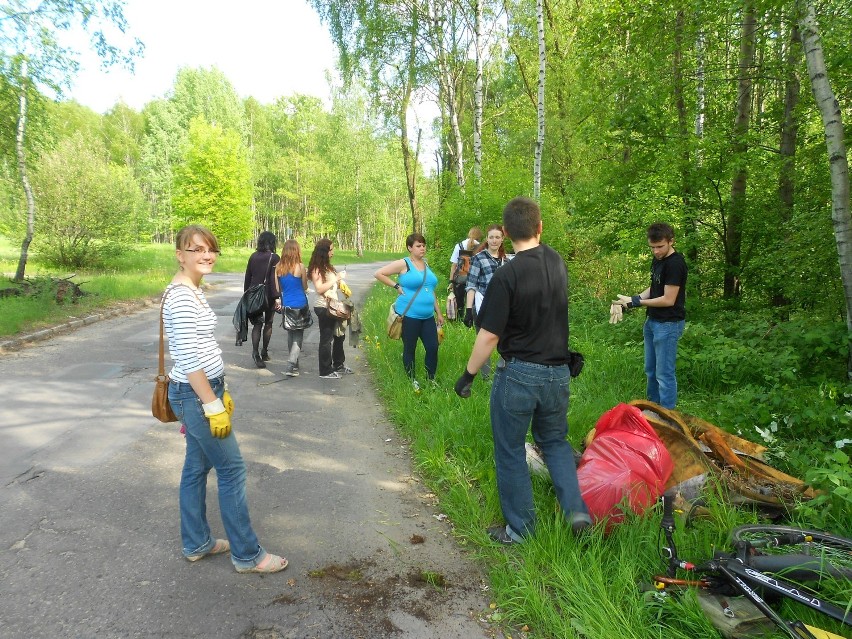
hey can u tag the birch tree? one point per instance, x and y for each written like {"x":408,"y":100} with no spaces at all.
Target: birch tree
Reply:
{"x":838,"y":162}
{"x":32,"y":57}
{"x":539,"y":144}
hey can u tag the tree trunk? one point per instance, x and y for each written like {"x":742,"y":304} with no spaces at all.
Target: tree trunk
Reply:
{"x":787,"y":147}
{"x":837,"y":160}
{"x":686,"y":181}
{"x":477,"y":98}
{"x":22,"y":170}
{"x":539,"y":144}
{"x":736,"y":214}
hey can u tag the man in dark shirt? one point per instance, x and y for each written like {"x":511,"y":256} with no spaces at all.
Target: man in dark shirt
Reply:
{"x":525,"y":316}
{"x":665,"y":300}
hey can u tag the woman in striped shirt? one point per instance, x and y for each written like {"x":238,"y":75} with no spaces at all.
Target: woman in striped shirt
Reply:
{"x":198,"y":396}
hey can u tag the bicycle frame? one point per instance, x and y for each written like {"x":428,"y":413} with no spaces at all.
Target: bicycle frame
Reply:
{"x":733,"y":571}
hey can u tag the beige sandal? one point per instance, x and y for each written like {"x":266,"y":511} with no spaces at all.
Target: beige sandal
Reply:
{"x":221,"y":546}
{"x":269,"y":564}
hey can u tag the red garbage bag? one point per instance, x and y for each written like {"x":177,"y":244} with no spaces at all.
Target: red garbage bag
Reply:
{"x":625,"y":466}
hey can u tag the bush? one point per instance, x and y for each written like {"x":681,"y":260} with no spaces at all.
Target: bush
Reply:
{"x":87,"y":208}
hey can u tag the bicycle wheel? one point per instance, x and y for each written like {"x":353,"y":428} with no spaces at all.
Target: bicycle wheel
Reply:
{"x":799,"y":553}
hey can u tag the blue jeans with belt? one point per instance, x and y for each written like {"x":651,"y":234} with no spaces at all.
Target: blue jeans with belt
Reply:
{"x":661,"y":340}
{"x":203,"y":452}
{"x":527,"y":395}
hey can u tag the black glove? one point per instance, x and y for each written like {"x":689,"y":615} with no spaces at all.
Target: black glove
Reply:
{"x":464,"y":383}
{"x":468,"y":317}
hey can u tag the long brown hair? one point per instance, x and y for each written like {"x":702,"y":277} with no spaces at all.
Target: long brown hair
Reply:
{"x":320,"y":261}
{"x":501,"y":251}
{"x":291,"y":256}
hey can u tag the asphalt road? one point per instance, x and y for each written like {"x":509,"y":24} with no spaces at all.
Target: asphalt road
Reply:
{"x":89,"y":530}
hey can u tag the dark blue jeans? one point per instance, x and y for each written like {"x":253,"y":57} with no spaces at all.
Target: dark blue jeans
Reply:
{"x":331,"y":355}
{"x":427,"y":332}
{"x":528,"y":395}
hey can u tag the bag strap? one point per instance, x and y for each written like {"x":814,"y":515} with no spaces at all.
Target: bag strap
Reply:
{"x":411,"y":301}
{"x":266,"y":274}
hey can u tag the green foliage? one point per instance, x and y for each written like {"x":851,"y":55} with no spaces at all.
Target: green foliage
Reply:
{"x":88,"y":208}
{"x":829,"y":509}
{"x":213,"y":185}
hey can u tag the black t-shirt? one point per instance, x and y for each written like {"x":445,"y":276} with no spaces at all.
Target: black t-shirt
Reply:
{"x":526,"y":306}
{"x":669,"y":271}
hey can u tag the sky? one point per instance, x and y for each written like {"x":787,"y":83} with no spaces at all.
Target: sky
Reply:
{"x":266,"y":48}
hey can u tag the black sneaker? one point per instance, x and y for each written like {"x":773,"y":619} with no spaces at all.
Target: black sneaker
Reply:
{"x":580,"y":524}
{"x":500,"y":535}
{"x":344,"y":370}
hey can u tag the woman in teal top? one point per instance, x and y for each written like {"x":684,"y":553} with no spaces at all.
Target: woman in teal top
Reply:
{"x":417,"y":303}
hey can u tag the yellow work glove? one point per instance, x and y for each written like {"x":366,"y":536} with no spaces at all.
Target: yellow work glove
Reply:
{"x":220,"y":421}
{"x":344,"y":289}
{"x":228,"y":401}
{"x":616,"y":313}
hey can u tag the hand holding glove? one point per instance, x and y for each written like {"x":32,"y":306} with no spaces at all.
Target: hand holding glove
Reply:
{"x":464,"y":383}
{"x":616,"y":313}
{"x":220,"y":420}
{"x":468,"y":317}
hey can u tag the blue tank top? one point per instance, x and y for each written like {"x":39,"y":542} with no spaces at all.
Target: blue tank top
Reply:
{"x":423,"y":306}
{"x":292,"y":293}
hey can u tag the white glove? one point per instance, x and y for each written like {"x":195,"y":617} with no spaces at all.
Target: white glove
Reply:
{"x":616,"y":313}
{"x":623,"y":300}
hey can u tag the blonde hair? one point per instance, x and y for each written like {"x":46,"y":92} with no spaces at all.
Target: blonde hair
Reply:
{"x":473,"y":235}
{"x":291,"y":256}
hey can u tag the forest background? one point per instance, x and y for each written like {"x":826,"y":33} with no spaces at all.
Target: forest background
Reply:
{"x":612,"y":114}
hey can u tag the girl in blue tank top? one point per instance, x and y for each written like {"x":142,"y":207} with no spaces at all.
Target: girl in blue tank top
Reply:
{"x":292,"y":280}
{"x":417,"y":303}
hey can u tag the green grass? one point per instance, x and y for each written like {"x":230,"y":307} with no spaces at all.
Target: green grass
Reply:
{"x":554,"y":585}
{"x":139,"y":273}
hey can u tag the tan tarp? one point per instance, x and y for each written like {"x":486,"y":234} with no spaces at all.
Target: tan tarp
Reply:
{"x":704,"y":453}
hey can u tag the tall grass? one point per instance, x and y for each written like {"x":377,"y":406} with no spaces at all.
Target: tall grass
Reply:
{"x":555,"y":585}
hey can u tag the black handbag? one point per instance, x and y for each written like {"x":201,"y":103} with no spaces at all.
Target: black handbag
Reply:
{"x":255,"y":296}
{"x":296,"y":319}
{"x":255,"y":299}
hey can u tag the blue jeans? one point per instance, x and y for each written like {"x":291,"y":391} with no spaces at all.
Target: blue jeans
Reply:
{"x":427,"y":331}
{"x":661,"y":340}
{"x":203,"y":452}
{"x":525,"y":394}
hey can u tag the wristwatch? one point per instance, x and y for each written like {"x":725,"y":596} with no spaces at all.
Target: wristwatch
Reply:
{"x":396,"y":286}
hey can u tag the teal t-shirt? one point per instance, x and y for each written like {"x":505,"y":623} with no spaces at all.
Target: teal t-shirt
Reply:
{"x":423,"y":306}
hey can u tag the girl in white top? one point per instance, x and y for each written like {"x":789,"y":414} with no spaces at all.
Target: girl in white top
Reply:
{"x":201,"y":402}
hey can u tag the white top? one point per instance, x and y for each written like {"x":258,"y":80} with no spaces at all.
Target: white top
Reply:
{"x":455,"y":256}
{"x":319,"y":302}
{"x":190,"y":324}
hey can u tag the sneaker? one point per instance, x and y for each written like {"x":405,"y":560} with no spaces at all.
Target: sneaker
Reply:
{"x":331,"y":375}
{"x":292,"y":371}
{"x":501,"y":535}
{"x":416,"y":386}
{"x":580,"y":524}
{"x":344,"y":370}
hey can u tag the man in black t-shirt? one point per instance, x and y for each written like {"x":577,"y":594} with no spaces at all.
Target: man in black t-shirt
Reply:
{"x":665,"y":300}
{"x":525,"y":316}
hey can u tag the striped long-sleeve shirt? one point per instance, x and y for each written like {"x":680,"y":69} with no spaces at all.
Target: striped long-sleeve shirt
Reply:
{"x":190,"y":325}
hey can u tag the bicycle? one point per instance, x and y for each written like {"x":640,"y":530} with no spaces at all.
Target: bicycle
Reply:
{"x":766,"y":558}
